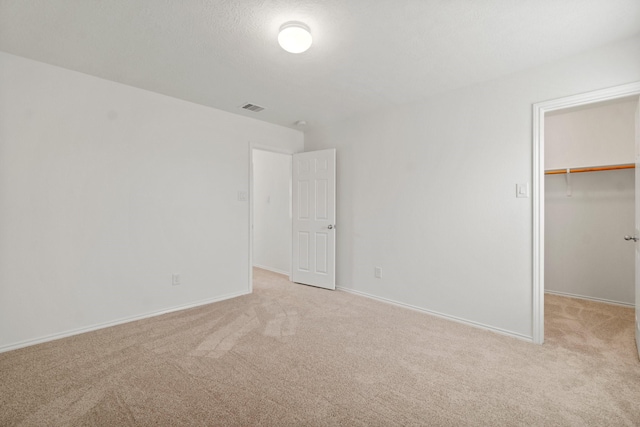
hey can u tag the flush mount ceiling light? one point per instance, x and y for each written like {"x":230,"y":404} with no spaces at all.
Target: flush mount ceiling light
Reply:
{"x":295,"y":37}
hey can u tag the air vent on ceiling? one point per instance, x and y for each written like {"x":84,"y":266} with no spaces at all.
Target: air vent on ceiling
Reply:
{"x":252,"y":107}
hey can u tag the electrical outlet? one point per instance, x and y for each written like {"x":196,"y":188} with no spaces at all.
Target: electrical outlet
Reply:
{"x":377,"y":272}
{"x":175,"y":279}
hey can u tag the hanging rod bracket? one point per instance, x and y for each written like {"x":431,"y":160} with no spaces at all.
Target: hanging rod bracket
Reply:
{"x":567,"y":177}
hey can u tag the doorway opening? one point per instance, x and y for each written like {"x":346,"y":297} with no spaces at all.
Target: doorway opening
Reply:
{"x":270,"y":211}
{"x":589,"y":207}
{"x":541,"y":110}
{"x":302,"y":185}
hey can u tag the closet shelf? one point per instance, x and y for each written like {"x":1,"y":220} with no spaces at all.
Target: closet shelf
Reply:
{"x":591,"y":169}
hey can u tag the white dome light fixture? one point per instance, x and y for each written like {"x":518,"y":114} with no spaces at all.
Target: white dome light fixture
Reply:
{"x":295,"y":37}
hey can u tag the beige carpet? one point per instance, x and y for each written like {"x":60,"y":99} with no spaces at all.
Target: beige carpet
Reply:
{"x":292,"y":355}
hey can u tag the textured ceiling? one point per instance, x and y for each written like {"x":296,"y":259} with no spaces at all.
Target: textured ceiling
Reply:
{"x":366,"y":55}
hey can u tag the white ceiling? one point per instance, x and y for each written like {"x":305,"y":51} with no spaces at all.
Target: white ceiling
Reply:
{"x":366,"y":55}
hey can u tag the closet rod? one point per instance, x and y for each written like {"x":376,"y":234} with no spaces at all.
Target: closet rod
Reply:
{"x":593,"y":169}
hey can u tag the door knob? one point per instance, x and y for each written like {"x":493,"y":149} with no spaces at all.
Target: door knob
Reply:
{"x":331,"y":227}
{"x":634,"y":238}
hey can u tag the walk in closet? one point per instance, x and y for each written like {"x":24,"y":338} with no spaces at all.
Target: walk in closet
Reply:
{"x":589,"y":201}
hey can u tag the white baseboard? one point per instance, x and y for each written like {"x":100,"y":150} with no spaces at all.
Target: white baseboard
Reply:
{"x":275,"y":270}
{"x":441,"y":315}
{"x":78,"y":331}
{"x":606,"y":301}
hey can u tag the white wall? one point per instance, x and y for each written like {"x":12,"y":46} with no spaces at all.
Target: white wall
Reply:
{"x":427,"y":191}
{"x":585,"y":253}
{"x":272,"y":211}
{"x":106,"y":190}
{"x":601,"y":134}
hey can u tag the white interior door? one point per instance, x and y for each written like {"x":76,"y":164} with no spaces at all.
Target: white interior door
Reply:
{"x":313,"y":252}
{"x":637,"y":227}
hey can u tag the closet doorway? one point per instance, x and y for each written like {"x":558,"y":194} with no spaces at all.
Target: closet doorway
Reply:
{"x":582,"y":214}
{"x":589,"y":208}
{"x":589,"y":201}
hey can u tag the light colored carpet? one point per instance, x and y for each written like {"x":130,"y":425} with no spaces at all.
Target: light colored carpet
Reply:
{"x":292,"y":355}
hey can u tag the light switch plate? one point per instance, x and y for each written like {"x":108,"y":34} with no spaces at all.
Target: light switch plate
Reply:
{"x":522,"y":190}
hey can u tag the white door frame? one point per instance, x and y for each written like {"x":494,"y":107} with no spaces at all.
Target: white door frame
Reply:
{"x":261,"y":147}
{"x":539,"y":110}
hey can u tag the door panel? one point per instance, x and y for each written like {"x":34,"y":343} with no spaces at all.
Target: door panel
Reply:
{"x":303,"y":248}
{"x":321,"y":200}
{"x":322,"y":243}
{"x":314,"y":213}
